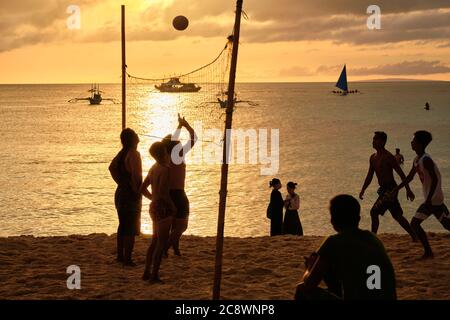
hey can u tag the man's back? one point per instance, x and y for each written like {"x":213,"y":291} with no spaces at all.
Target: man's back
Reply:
{"x":350,"y":254}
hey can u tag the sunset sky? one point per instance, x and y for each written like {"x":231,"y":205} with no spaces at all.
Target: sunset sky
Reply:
{"x":282,"y":40}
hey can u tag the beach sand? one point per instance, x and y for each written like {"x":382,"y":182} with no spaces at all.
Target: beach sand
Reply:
{"x":253,"y":268}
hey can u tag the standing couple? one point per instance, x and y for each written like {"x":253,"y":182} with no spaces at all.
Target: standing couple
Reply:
{"x":169,"y":208}
{"x":291,"y":223}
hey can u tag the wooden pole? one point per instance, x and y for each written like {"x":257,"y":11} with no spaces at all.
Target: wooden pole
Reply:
{"x":226,"y":153}
{"x":124,"y":72}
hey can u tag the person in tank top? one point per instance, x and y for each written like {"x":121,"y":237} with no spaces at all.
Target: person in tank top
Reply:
{"x":431,"y":179}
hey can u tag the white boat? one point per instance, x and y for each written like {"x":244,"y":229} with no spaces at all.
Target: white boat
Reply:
{"x":174,"y":85}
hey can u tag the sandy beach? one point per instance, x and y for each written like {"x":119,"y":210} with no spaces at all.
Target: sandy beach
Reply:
{"x":254,"y":268}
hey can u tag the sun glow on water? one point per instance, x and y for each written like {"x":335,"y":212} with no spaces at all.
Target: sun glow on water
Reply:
{"x":159,"y":118}
{"x":162,"y":99}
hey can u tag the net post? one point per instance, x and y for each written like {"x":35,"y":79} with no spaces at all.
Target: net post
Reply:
{"x":226,"y":152}
{"x":124,"y":66}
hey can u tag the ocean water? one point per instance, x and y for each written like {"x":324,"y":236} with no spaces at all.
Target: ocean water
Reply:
{"x":55,"y":155}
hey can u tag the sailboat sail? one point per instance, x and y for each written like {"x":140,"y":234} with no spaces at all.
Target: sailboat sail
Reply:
{"x":342,"y":82}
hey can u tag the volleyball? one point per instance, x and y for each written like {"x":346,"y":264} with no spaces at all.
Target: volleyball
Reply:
{"x":180,"y":23}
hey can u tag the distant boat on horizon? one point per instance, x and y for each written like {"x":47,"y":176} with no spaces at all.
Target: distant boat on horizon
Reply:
{"x":342,"y":83}
{"x":96,"y":96}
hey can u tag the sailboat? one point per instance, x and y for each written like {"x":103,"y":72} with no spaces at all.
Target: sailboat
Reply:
{"x":342,"y":83}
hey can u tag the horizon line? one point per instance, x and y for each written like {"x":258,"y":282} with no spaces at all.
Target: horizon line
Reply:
{"x":244,"y":82}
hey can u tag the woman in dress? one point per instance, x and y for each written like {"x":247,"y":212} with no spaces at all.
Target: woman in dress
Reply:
{"x":162,"y":210}
{"x":292,"y":224}
{"x":275,"y":209}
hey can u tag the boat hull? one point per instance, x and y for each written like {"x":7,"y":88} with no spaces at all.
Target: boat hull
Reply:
{"x":177,"y":89}
{"x":95,"y":101}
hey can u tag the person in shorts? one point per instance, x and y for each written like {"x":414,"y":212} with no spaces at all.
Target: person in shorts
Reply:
{"x":383,"y":163}
{"x":162,"y":210}
{"x":431,"y":179}
{"x":177,"y":179}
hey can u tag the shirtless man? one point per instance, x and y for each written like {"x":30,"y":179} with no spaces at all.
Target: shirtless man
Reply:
{"x":382,"y":163}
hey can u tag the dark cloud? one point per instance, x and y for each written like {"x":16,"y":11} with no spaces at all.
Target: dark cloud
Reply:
{"x":405,"y":68}
{"x":341,"y":21}
{"x":295,"y":72}
{"x":409,"y":68}
{"x":329,"y":69}
{"x":286,"y":9}
{"x":444,"y":45}
{"x":431,"y":25}
{"x":27,"y":22}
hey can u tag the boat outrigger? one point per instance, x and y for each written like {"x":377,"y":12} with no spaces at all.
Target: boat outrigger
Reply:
{"x":174,"y":85}
{"x":342,"y":84}
{"x":223,"y":103}
{"x":96,"y":96}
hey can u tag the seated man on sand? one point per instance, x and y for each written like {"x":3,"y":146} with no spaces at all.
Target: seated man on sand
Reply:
{"x":353,"y":263}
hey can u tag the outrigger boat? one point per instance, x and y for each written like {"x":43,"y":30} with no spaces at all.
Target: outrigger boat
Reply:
{"x":174,"y":85}
{"x":223,"y":103}
{"x":96,"y":96}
